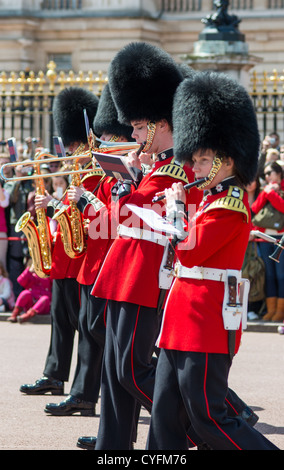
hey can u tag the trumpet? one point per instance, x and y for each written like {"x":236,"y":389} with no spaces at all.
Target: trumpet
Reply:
{"x":118,"y":149}
{"x":32,"y":163}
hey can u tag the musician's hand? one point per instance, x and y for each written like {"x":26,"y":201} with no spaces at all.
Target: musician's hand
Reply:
{"x":41,"y":200}
{"x":133,"y":160}
{"x":146,"y":159}
{"x":75,"y":192}
{"x":175,"y":193}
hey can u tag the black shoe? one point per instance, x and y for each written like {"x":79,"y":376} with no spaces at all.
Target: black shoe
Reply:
{"x":249,"y":416}
{"x":70,"y":406}
{"x":44,"y":385}
{"x":88,"y":443}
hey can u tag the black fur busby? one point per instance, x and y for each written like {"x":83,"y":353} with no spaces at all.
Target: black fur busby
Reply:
{"x":186,"y":70}
{"x":213,"y":111}
{"x":143,"y":79}
{"x":68,"y":113}
{"x":106,"y":119}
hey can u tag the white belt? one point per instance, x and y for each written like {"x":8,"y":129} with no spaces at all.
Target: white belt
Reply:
{"x":199,"y":272}
{"x":232,"y":314}
{"x":141,"y":234}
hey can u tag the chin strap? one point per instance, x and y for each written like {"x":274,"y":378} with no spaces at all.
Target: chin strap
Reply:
{"x":151,"y":129}
{"x":216,"y":165}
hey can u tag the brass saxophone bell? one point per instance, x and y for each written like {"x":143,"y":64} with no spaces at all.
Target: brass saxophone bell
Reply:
{"x":39,"y":249}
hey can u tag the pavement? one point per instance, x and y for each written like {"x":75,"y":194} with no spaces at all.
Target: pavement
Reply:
{"x":257,"y":376}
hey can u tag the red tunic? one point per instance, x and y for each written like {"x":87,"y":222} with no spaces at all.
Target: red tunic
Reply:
{"x":130,"y":271}
{"x":63,"y":266}
{"x":99,"y":238}
{"x":193,"y":313}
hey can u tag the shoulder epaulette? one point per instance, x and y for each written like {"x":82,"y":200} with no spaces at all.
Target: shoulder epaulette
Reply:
{"x":233,"y":201}
{"x":95,"y":172}
{"x":171,"y":169}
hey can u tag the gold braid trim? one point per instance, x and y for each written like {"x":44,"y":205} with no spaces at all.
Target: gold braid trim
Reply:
{"x":217,"y":163}
{"x":233,"y":202}
{"x":94,"y":172}
{"x":151,"y":129}
{"x":173,"y":170}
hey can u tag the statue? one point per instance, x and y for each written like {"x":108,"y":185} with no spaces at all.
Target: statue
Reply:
{"x":224,"y":26}
{"x":221,"y":18}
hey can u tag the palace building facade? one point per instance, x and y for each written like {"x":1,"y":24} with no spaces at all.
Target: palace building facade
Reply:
{"x":86,"y":34}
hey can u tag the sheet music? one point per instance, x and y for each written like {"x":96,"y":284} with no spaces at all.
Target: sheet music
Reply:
{"x":154,"y":220}
{"x":115,"y":165}
{"x":59,"y":147}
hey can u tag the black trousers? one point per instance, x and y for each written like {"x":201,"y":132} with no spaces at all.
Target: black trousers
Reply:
{"x":128,"y":374}
{"x":193,"y":386}
{"x":96,"y":318}
{"x":87,"y":378}
{"x":65,"y":306}
{"x":128,"y":371}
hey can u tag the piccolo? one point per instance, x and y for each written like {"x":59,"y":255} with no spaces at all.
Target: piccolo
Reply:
{"x":140,"y":148}
{"x":187,"y":186}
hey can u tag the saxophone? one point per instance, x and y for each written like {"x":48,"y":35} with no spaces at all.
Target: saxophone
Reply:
{"x":71,"y":225}
{"x":38,"y":237}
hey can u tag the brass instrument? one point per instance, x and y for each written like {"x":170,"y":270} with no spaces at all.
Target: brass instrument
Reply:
{"x":73,"y":232}
{"x":33,"y":163}
{"x":118,"y":149}
{"x":71,"y":225}
{"x":38,"y":237}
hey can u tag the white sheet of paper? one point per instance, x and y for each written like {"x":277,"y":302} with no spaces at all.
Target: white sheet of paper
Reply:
{"x":154,"y":220}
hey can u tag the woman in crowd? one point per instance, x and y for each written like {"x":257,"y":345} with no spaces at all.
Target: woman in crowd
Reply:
{"x":274,"y":277}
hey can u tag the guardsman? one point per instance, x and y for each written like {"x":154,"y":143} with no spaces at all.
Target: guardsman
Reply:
{"x":92,"y":201}
{"x":215,"y":128}
{"x":129,"y":277}
{"x":68,"y":114}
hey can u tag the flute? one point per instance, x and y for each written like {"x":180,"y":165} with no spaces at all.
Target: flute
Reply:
{"x":140,"y":148}
{"x":187,"y":186}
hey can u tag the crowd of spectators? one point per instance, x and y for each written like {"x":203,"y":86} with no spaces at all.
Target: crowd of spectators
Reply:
{"x":269,"y":188}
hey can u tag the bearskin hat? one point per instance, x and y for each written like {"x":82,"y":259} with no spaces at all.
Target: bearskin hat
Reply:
{"x":106,"y":119}
{"x":68,"y":113}
{"x":186,"y":70}
{"x":213,"y":111}
{"x":143,"y":79}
